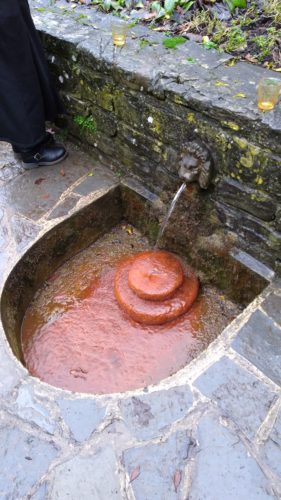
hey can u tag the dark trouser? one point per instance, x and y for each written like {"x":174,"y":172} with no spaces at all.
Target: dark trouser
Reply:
{"x":27,"y":97}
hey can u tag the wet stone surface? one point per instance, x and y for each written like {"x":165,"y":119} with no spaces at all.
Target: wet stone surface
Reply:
{"x":24,"y":459}
{"x":92,"y":476}
{"x":240,"y":396}
{"x":63,"y":208}
{"x":272,"y":306}
{"x":272,"y":448}
{"x":224,"y":468}
{"x":259,"y":341}
{"x":148,"y":416}
{"x":40,"y":189}
{"x":157,"y":470}
{"x":94,"y":181}
{"x":24,"y":231}
{"x":30,"y":410}
{"x":213,"y":439}
{"x":10,"y":376}
{"x":82,"y":416}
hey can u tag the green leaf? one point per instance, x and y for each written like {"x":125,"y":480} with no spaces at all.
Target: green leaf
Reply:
{"x":172,"y":42}
{"x":160,"y":14}
{"x":169,"y":6}
{"x":155,"y":6}
{"x":208,"y":44}
{"x":115,"y":5}
{"x":107,"y":5}
{"x":191,"y":60}
{"x":186,"y":5}
{"x":233,"y":4}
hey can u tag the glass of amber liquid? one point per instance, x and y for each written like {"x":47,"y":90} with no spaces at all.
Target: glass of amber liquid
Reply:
{"x":119,"y":31}
{"x":268,"y":91}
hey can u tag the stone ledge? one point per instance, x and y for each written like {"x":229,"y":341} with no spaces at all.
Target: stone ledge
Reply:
{"x":209,"y":86}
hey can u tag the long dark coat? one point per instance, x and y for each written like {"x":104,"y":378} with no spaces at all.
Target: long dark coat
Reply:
{"x":27,"y":97}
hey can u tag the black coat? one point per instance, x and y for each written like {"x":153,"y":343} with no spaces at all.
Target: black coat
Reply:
{"x":27,"y":97}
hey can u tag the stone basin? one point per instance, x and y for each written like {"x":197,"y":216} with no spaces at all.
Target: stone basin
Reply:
{"x":127,"y":201}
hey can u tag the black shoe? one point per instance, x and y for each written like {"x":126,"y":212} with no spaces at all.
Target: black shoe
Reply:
{"x":43,"y":155}
{"x":47,"y":141}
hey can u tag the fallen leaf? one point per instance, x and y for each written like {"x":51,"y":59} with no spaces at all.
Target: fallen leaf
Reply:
{"x":90,"y":174}
{"x":161,"y":28}
{"x":277,"y":69}
{"x":250,"y":58}
{"x":177,"y":479}
{"x":221,"y":84}
{"x":240,"y":94}
{"x":39,"y":180}
{"x":62,"y":172}
{"x":78,"y":373}
{"x":129,"y":230}
{"x":134,"y":474}
{"x":232,"y":62}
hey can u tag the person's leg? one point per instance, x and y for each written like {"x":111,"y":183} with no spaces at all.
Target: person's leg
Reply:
{"x":27,"y":98}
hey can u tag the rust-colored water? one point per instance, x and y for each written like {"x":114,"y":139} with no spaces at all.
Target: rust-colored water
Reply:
{"x":75,"y":335}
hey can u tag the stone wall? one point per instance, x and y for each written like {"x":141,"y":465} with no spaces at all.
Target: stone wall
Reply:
{"x":138,"y":107}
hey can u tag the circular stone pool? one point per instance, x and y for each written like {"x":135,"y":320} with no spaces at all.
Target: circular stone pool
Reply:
{"x":75,"y":335}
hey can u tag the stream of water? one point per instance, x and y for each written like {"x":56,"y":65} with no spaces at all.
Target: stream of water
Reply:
{"x":169,"y":213}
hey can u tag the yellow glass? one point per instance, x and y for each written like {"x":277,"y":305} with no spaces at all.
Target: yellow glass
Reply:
{"x":268,"y":92}
{"x":119,"y":32}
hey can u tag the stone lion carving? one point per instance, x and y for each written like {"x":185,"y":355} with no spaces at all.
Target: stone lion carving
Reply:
{"x":195,"y":164}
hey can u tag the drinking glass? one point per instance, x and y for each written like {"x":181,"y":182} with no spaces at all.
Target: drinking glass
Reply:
{"x":268,"y":92}
{"x":119,"y":31}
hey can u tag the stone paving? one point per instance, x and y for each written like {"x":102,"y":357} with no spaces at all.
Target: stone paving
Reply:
{"x":212,"y":431}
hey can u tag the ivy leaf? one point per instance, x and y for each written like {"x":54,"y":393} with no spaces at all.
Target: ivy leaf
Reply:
{"x":169,"y":6}
{"x":155,"y":6}
{"x":107,"y":5}
{"x":160,"y":14}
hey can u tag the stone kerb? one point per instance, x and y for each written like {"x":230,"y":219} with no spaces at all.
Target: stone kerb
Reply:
{"x":138,"y":106}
